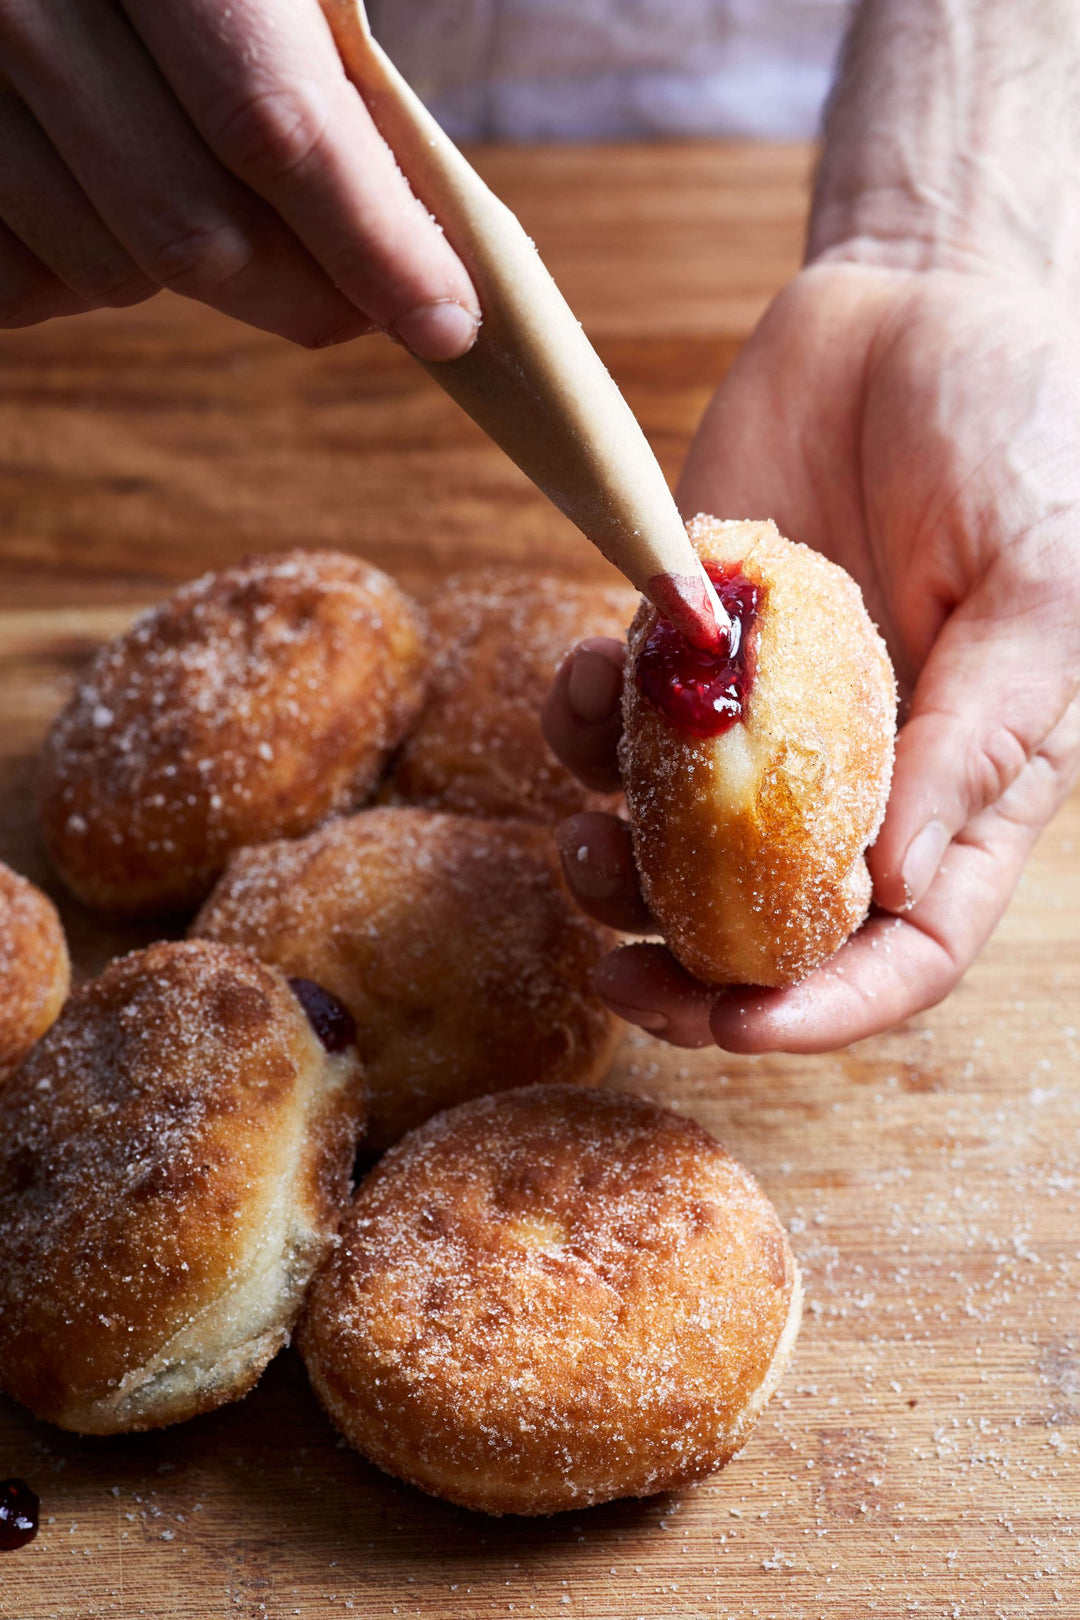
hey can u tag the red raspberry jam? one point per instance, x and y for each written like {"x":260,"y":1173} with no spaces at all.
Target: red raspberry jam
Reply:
{"x":704,"y":692}
{"x":18,"y":1514}
{"x":332,"y":1022}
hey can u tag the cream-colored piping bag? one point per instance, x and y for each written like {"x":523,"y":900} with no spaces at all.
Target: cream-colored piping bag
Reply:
{"x":532,"y":380}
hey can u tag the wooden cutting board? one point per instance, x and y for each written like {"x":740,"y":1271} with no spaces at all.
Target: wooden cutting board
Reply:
{"x":921,"y":1457}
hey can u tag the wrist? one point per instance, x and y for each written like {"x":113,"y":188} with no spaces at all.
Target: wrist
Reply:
{"x":949,"y":139}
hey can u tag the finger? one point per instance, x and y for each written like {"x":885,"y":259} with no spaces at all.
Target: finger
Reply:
{"x":582,"y":717}
{"x":895,"y":967}
{"x":43,"y":205}
{"x":1000,"y":677}
{"x":29,"y":292}
{"x":263,"y":82}
{"x":646,"y":986}
{"x":184,"y":221}
{"x":598,"y":864}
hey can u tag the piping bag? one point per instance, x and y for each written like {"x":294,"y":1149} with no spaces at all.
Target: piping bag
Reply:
{"x":532,"y":380}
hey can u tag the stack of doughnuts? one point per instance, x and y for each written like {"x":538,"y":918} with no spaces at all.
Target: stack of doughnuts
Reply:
{"x":544,"y":1295}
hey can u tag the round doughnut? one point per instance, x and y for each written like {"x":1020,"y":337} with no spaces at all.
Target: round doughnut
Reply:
{"x":174,"y":1161}
{"x":496,"y":644}
{"x":34,"y":968}
{"x":453,"y":942}
{"x":551,"y":1298}
{"x":754,"y":785}
{"x":249,"y":705}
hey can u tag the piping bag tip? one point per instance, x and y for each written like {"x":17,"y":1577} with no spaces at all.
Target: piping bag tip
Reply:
{"x":690,"y":602}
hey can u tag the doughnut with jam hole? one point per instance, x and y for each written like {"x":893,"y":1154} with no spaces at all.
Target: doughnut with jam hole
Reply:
{"x":34,"y":968}
{"x":453,"y":942}
{"x":175,"y":1157}
{"x":551,"y":1298}
{"x":496,"y":643}
{"x":250,"y":705}
{"x":755,"y":780}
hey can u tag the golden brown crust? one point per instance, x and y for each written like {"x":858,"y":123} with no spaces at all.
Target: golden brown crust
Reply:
{"x":35,"y":972}
{"x":249,"y":705}
{"x":751,"y":844}
{"x":552,"y":1298}
{"x":174,"y":1159}
{"x":453,"y":942}
{"x":496,"y":644}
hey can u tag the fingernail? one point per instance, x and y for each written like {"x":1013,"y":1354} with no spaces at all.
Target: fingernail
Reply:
{"x":443,"y":330}
{"x":654,"y":1022}
{"x":922,"y":861}
{"x":587,"y":876}
{"x":594,"y":686}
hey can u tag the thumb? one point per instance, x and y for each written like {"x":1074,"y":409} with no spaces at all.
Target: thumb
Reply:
{"x":999,"y":678}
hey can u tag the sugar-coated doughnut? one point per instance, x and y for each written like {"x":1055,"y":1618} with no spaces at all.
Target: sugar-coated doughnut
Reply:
{"x":452,"y":941}
{"x":754,"y":785}
{"x":496,"y":643}
{"x":174,"y":1160}
{"x":34,"y":968}
{"x":249,"y":705}
{"x":551,"y":1298}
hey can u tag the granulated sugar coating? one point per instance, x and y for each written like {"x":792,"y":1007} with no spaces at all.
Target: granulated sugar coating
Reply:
{"x":174,"y":1158}
{"x":453,"y":943}
{"x":751,"y":844}
{"x":249,"y":705}
{"x":497,"y":642}
{"x":553,"y":1298}
{"x":34,"y":967}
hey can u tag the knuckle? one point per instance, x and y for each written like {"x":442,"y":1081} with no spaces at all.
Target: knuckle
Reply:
{"x":271,"y":135}
{"x":196,"y":258}
{"x":108,"y":283}
{"x":995,"y":764}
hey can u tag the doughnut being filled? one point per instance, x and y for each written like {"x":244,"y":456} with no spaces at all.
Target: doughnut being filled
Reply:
{"x":551,"y":1298}
{"x":34,"y":968}
{"x":496,"y":643}
{"x":175,"y":1157}
{"x":249,"y":705}
{"x":453,"y":942}
{"x":756,"y":780}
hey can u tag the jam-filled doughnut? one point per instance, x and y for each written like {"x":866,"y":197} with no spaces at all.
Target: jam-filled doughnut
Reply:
{"x":452,"y":941}
{"x":496,"y":644}
{"x":755,"y":780}
{"x":249,"y":705}
{"x":174,"y":1160}
{"x":34,"y":968}
{"x":551,"y":1298}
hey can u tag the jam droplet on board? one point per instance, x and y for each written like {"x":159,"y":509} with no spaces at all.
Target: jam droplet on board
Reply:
{"x":698,"y":691}
{"x":18,"y":1514}
{"x":332,"y":1022}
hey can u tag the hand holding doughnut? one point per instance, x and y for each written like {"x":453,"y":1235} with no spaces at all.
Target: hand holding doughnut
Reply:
{"x":920,"y":430}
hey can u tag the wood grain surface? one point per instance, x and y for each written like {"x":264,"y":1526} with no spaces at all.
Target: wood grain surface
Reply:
{"x":921,"y":1457}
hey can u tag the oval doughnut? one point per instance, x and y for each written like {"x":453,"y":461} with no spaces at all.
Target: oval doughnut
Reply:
{"x":497,"y":642}
{"x":249,"y":705}
{"x":453,"y":942}
{"x":552,"y":1298}
{"x":750,"y":842}
{"x":175,"y":1157}
{"x":35,"y":972}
